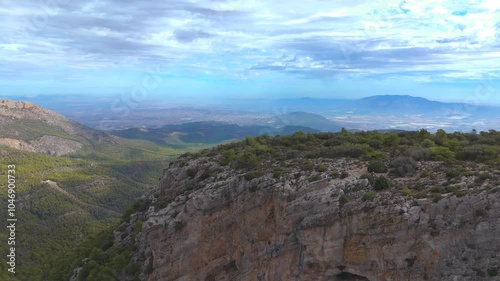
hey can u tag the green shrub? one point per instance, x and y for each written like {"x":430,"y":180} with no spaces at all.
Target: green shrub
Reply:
{"x":321,"y":168}
{"x":441,"y":153}
{"x":424,"y":174}
{"x":382,"y":183}
{"x":480,"y":213}
{"x":126,"y":214}
{"x":343,"y":199}
{"x":420,"y":154}
{"x":192,"y":172}
{"x":352,"y":150}
{"x":205,"y":175}
{"x":391,"y":139}
{"x":468,"y":173}
{"x":403,"y":166}
{"x":228,"y":156}
{"x":314,"y":178}
{"x":450,"y":174}
{"x":247,"y":160}
{"x":492,"y":271}
{"x":484,"y":176}
{"x":253,"y":174}
{"x":138,"y":226}
{"x":368,"y":177}
{"x":450,"y":188}
{"x":179,"y":225}
{"x":436,"y":197}
{"x":162,"y":202}
{"x":478,"y":152}
{"x":344,"y":174}
{"x":375,"y":143}
{"x":427,"y":143}
{"x":419,"y":185}
{"x":368,"y":196}
{"x":292,"y":154}
{"x":459,"y":193}
{"x":308,"y":166}
{"x":420,"y":195}
{"x":334,"y":174}
{"x":373,"y":155}
{"x":406,"y":191}
{"x":437,"y":189}
{"x":277,"y":173}
{"x":377,"y":166}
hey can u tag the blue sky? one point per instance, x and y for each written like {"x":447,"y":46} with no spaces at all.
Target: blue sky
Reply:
{"x":208,"y":49}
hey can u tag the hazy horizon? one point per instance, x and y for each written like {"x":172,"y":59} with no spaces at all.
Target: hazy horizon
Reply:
{"x":95,"y":98}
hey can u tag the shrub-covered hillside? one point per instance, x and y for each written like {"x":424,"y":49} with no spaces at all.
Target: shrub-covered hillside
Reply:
{"x":63,"y":201}
{"x":397,"y":154}
{"x":418,"y":163}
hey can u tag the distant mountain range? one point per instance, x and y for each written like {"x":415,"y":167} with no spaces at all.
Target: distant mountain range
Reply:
{"x":370,"y":113}
{"x":206,"y":132}
{"x":405,"y":105}
{"x":380,"y":105}
{"x":304,"y":119}
{"x":390,"y":112}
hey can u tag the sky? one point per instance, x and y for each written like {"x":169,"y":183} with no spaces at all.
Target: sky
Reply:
{"x":447,"y":50}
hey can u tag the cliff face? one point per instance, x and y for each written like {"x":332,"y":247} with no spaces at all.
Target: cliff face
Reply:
{"x":224,"y":227}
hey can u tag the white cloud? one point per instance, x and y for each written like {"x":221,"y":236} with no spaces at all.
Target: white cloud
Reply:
{"x":376,"y":37}
{"x":12,"y":47}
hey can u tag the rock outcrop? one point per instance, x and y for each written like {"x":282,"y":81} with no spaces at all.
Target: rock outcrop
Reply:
{"x":226,"y":227}
{"x":9,"y":104}
{"x":50,"y":145}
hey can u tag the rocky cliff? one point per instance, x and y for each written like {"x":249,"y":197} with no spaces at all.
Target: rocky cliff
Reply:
{"x":27,"y":127}
{"x":225,"y":227}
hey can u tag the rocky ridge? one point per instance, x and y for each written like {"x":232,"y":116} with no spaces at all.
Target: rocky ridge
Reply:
{"x":27,"y":127}
{"x":221,"y":226}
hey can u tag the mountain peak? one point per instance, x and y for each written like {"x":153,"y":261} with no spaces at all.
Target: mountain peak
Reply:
{"x":395,"y":97}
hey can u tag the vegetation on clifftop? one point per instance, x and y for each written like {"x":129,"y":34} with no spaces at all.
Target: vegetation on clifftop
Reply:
{"x":396,"y":154}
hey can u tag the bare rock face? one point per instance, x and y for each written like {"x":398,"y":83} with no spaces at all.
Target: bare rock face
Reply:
{"x":227,"y":228}
{"x":53,"y":145}
{"x":16,"y":104}
{"x":17,"y":144}
{"x":50,"y":145}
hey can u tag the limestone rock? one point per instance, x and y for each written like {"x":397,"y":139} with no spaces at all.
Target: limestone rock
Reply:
{"x":264,"y":229}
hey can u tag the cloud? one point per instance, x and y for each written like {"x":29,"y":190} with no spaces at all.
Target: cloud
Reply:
{"x":187,"y":36}
{"x":234,"y":38}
